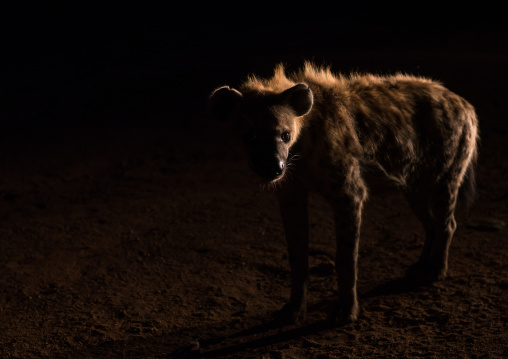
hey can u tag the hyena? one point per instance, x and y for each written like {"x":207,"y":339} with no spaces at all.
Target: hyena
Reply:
{"x":315,"y":130}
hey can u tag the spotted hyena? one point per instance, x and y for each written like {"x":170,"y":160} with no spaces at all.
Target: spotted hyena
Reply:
{"x":314,"y":130}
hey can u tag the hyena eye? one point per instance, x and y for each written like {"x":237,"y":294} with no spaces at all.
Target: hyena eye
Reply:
{"x":285,"y":137}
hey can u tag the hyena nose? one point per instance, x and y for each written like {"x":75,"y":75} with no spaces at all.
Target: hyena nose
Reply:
{"x":280,"y":169}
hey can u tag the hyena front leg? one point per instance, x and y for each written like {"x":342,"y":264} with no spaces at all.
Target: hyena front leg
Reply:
{"x":293,"y":207}
{"x":347,"y":213}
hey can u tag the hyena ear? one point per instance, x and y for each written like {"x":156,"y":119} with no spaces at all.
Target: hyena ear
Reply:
{"x":299,"y":98}
{"x":222,"y":102}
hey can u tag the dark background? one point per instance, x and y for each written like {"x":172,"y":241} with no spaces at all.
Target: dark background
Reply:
{"x":73,"y":67}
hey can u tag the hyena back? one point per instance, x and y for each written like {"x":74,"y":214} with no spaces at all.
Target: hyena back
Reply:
{"x":411,"y":130}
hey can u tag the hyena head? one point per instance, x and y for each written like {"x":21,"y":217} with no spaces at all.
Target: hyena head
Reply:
{"x":264,"y":124}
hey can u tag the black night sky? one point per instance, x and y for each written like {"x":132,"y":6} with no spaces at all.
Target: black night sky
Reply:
{"x":61,"y":63}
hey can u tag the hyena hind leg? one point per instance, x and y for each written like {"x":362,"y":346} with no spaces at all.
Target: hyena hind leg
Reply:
{"x":436,"y":212}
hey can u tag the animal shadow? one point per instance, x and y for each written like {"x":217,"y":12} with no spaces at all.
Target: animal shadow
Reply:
{"x":273,"y":333}
{"x":396,"y":286}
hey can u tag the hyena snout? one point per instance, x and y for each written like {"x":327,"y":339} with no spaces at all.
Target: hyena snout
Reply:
{"x":269,"y":169}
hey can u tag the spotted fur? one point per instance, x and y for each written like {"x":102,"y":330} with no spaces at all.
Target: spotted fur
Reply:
{"x":408,"y":130}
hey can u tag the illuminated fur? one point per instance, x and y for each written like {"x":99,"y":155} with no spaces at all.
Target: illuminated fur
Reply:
{"x":409,"y":130}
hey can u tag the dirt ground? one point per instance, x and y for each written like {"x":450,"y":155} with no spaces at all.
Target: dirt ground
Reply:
{"x":134,"y":241}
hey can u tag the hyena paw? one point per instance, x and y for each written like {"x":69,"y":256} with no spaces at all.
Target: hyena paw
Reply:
{"x":427,"y":272}
{"x":291,"y":313}
{"x":343,"y":313}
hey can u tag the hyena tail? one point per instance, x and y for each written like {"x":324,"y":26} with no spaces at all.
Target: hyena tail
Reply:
{"x":467,"y":191}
